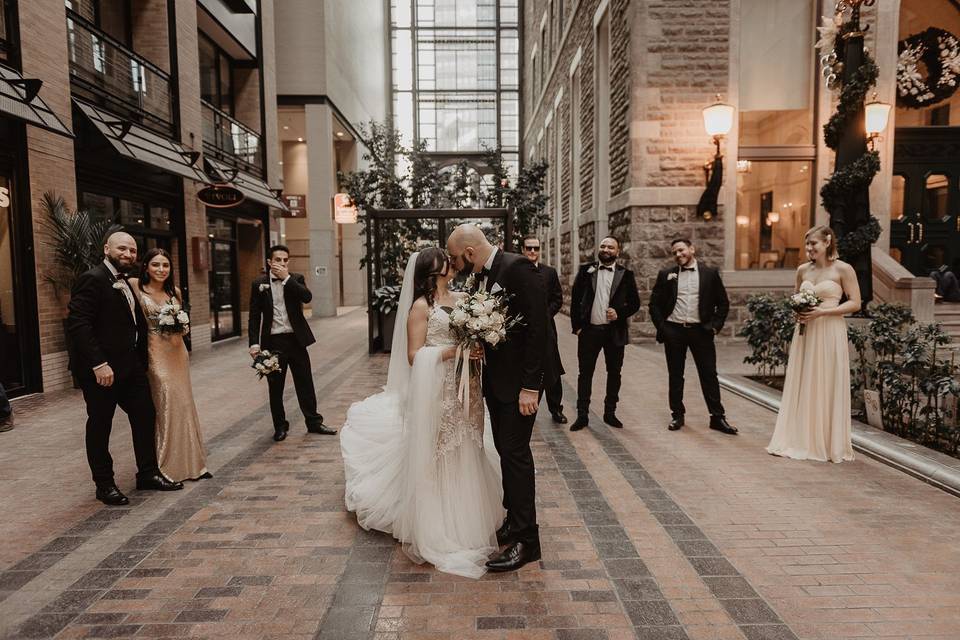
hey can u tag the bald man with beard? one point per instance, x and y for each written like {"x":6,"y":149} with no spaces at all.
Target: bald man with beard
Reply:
{"x":108,"y":332}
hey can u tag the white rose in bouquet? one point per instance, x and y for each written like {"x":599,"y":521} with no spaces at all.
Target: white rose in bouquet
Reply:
{"x":183,"y":317}
{"x":492,"y":338}
{"x":166,"y":320}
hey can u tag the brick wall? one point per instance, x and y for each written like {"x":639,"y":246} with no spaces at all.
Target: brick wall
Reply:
{"x":620,"y":19}
{"x":151,"y":37}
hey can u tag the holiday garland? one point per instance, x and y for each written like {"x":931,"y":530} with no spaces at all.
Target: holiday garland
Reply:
{"x":858,"y":175}
{"x":939,"y":51}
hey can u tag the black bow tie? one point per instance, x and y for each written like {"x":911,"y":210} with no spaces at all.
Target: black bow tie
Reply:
{"x":688,"y":268}
{"x":603,"y":268}
{"x":276,"y":279}
{"x":483,"y":273}
{"x":120,"y":276}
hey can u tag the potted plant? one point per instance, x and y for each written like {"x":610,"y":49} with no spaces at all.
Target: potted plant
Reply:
{"x":385,"y":301}
{"x":77,"y":243}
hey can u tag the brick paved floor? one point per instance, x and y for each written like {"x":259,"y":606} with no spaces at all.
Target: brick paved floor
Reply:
{"x":646,"y":533}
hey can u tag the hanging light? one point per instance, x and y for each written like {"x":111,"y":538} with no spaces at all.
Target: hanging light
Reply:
{"x":877,"y":116}
{"x":718,"y":118}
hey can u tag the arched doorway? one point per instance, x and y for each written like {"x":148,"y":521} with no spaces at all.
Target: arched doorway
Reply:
{"x":925,"y":194}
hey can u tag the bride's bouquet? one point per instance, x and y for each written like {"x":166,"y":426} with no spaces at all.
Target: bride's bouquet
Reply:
{"x":803,"y":301}
{"x":478,"y":319}
{"x":172,"y":318}
{"x":266,"y":362}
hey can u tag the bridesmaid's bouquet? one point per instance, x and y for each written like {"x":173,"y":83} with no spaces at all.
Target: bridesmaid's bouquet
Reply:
{"x":265,"y":363}
{"x":803,"y":301}
{"x":172,"y":318}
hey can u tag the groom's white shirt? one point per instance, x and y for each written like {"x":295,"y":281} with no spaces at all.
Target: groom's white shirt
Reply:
{"x":687,"y":308}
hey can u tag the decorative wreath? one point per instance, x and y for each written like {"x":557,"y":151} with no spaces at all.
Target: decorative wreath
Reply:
{"x":939,"y":51}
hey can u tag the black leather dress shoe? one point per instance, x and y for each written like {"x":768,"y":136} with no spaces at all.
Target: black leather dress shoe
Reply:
{"x":111,"y":495}
{"x":559,"y":418}
{"x":515,"y":556}
{"x":504,"y":534}
{"x":280,"y":433}
{"x":157,"y":482}
{"x":579,"y":423}
{"x":719,"y":423}
{"x":322,"y":428}
{"x":612,"y":420}
{"x":675,"y":423}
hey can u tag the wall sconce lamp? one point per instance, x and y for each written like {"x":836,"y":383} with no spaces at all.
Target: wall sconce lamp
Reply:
{"x":877,"y":116}
{"x":717,"y":120}
{"x":773,"y":217}
{"x":743,"y":221}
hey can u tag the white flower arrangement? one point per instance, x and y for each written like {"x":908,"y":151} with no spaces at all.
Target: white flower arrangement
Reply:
{"x":264,"y":287}
{"x":803,"y":301}
{"x":172,"y":318}
{"x":118,"y":285}
{"x":909,"y":80}
{"x":265,"y":363}
{"x":950,"y":59}
{"x":671,"y":276}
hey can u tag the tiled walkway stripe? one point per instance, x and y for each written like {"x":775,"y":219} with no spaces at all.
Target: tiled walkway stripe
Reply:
{"x":353,"y":613}
{"x":637,"y":589}
{"x":74,"y":601}
{"x":755,"y":618}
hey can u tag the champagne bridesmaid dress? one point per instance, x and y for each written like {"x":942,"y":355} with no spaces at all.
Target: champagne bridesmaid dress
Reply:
{"x":180,"y":449}
{"x":814,"y":418}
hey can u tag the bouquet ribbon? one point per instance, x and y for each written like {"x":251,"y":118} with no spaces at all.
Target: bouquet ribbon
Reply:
{"x":462,"y":358}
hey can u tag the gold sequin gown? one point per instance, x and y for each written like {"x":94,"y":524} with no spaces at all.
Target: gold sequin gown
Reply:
{"x":180,"y":449}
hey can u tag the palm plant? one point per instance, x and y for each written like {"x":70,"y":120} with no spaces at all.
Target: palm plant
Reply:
{"x":76,"y":239}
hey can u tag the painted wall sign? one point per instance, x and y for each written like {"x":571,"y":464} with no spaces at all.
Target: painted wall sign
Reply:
{"x":220,"y":196}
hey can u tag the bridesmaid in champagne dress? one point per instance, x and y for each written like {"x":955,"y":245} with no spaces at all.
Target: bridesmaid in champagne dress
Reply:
{"x":180,"y":448}
{"x":814,"y":418}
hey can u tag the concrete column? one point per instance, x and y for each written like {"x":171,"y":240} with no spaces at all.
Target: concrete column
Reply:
{"x":884,"y":46}
{"x":323,"y":275}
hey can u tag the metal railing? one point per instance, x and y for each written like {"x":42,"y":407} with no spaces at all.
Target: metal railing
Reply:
{"x":106,"y":72}
{"x":228,"y":139}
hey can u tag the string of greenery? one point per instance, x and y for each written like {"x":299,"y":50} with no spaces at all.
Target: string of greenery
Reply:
{"x":858,"y":175}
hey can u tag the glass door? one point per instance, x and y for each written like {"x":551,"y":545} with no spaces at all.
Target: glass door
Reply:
{"x":224,"y":291}
{"x":11,"y":356}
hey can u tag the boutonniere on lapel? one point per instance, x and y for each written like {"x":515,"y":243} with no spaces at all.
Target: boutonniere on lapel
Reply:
{"x":118,"y":285}
{"x":264,"y":287}
{"x":592,"y":270}
{"x":671,"y":276}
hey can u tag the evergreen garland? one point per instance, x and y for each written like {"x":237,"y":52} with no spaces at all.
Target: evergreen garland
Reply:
{"x":858,"y":175}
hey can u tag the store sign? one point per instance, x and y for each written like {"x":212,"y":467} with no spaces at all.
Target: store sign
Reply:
{"x":344,"y":211}
{"x":297,"y":205}
{"x":220,"y":196}
{"x":4,"y":197}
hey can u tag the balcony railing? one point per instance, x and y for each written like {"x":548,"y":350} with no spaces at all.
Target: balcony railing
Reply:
{"x":230,"y":140}
{"x":107,"y":73}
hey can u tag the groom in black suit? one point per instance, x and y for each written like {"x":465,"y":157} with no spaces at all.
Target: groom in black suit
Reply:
{"x":108,"y":332}
{"x":688,"y":306}
{"x":277,"y":324}
{"x":512,"y":382}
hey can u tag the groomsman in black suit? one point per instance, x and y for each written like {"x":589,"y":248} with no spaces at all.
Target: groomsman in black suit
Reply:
{"x":277,"y":324}
{"x":688,"y":307}
{"x":604,"y":297}
{"x":108,"y":332}
{"x":553,"y":367}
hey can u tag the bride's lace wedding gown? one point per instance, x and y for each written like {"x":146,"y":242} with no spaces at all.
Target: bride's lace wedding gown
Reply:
{"x":417,"y":468}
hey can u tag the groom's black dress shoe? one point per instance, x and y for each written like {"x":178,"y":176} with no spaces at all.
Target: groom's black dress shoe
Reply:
{"x":280,"y":433}
{"x":111,"y":495}
{"x":719,"y":423}
{"x":579,"y":423}
{"x":515,"y":556}
{"x":559,"y":418}
{"x":612,"y":420}
{"x":504,"y":534}
{"x":157,"y":482}
{"x":675,"y":423}
{"x":322,"y":428}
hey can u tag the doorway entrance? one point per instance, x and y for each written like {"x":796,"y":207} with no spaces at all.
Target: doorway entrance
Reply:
{"x":224,"y":293}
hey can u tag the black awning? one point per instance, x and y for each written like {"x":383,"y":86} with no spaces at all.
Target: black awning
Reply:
{"x":19,"y":98}
{"x":252,"y":187}
{"x":145,"y":146}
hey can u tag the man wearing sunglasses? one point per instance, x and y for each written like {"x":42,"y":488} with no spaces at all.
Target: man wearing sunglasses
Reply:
{"x":553,"y":368}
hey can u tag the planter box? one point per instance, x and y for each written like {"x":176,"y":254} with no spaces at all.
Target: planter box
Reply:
{"x":386,"y":324}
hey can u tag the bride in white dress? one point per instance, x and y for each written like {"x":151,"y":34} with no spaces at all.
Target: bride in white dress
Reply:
{"x":415,"y":466}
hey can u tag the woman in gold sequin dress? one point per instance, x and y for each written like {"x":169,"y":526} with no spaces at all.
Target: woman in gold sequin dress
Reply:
{"x":180,"y":449}
{"x":418,"y":464}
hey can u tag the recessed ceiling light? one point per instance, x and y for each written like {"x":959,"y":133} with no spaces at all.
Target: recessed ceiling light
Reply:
{"x":339,"y":134}
{"x":299,"y":139}
{"x":286,"y":128}
{"x":281,"y":162}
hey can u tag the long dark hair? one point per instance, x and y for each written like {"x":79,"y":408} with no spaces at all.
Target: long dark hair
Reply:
{"x":168,"y":287}
{"x":430,"y":264}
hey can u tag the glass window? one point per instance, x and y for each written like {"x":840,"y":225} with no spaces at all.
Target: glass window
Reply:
{"x":776,"y":72}
{"x":898,"y":193}
{"x":935,"y":197}
{"x":208,"y":71}
{"x":160,"y":218}
{"x":226,"y":85}
{"x":400,"y":12}
{"x":456,"y":60}
{"x":402,"y":60}
{"x":773,"y":213}
{"x":509,"y":11}
{"x":509,"y":59}
{"x":456,"y":13}
{"x":98,"y":207}
{"x":510,"y":121}
{"x":132,"y":214}
{"x":458,"y":122}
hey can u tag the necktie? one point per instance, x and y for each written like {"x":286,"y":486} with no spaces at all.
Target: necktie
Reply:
{"x":687,"y":269}
{"x":602,"y":268}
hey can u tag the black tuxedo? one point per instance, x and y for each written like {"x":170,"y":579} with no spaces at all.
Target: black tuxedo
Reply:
{"x":712,"y":307}
{"x":553,"y":366}
{"x":515,"y":365}
{"x":292,"y":346}
{"x":102,"y":329}
{"x":610,"y":338}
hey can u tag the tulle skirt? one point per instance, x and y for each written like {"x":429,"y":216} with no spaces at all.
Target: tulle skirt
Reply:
{"x":444,"y":509}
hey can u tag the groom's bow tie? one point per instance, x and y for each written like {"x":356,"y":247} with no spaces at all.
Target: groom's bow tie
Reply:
{"x":603,"y":268}
{"x":120,"y":276}
{"x":688,"y":268}
{"x":276,"y":279}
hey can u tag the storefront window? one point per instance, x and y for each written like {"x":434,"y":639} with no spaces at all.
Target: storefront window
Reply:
{"x":11,"y":374}
{"x":216,"y":75}
{"x":776,"y":132}
{"x":160,"y":218}
{"x":132,"y":214}
{"x":773,"y":214}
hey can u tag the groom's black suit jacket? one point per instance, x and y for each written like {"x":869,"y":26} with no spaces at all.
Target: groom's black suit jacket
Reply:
{"x":712,"y":297}
{"x":295,"y":294}
{"x":102,"y":329}
{"x":518,"y":363}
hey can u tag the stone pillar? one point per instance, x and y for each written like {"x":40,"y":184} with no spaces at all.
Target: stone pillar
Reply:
{"x":883,"y":45}
{"x":323,"y":274}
